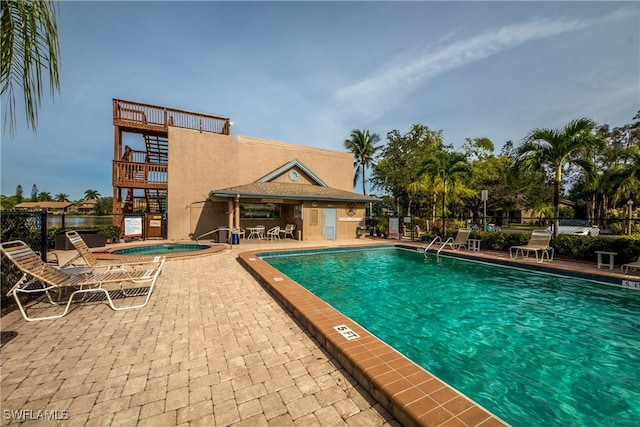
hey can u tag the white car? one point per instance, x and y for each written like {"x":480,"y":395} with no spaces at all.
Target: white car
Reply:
{"x":576,"y":227}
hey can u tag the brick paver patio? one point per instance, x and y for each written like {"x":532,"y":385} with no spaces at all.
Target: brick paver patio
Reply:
{"x":212,"y":348}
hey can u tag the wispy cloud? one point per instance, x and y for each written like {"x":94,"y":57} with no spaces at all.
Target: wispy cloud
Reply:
{"x":373,"y":95}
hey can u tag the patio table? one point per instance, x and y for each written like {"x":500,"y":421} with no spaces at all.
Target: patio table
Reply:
{"x":255,"y":232}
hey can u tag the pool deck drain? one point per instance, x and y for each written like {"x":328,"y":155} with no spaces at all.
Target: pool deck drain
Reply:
{"x":214,"y":348}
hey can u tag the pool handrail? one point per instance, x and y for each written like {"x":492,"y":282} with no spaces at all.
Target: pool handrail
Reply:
{"x":215,"y":231}
{"x":435,"y":239}
{"x":449,"y":241}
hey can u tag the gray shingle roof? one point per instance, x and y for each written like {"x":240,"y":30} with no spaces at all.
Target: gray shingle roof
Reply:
{"x":283,"y":190}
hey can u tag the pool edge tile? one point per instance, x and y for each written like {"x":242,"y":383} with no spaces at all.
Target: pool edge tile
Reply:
{"x":385,"y":373}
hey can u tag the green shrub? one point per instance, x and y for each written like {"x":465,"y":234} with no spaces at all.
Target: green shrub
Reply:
{"x":574,"y":247}
{"x":615,"y":228}
{"x":111,"y":233}
{"x":500,"y":241}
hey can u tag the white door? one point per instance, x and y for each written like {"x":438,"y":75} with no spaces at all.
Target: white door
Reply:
{"x":329,"y":223}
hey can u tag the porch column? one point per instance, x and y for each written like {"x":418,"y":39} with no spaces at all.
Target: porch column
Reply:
{"x":230,"y":214}
{"x":237,"y":211}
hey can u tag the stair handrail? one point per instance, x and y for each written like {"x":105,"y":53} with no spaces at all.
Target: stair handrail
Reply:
{"x":211,"y":232}
{"x":435,"y":239}
{"x":450,"y":241}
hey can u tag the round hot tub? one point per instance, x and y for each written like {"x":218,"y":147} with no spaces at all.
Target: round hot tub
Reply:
{"x":170,"y":250}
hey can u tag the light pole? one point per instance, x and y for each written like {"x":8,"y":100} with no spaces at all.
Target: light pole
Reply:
{"x":629,"y":212}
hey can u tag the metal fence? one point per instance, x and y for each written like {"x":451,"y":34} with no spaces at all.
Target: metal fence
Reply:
{"x":609,"y":226}
{"x":31,"y":228}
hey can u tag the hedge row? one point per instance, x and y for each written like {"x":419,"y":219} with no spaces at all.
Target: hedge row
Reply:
{"x":573,"y":247}
{"x":111,"y":232}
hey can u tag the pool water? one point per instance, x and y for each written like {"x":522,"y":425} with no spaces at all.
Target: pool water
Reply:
{"x":160,"y":249}
{"x":535,"y":349}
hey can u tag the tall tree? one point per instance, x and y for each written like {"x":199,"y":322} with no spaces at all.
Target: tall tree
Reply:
{"x":414,"y":189}
{"x":449,"y":167}
{"x":104,"y":206}
{"x":19,"y":194}
{"x":91,"y":194}
{"x":34,"y":193}
{"x":401,"y":159}
{"x":61,"y":197}
{"x":363,"y":145}
{"x":555,"y":149}
{"x":29,"y":48}
{"x":627,"y":174}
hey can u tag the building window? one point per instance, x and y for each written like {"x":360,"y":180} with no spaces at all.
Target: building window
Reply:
{"x":259,"y":211}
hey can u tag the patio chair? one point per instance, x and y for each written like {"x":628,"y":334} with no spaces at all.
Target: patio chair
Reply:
{"x":631,"y":265}
{"x":90,"y":259}
{"x":460,"y":241}
{"x":287,"y":231}
{"x":39,"y":277}
{"x":274,"y":233}
{"x":538,"y":243}
{"x":240,"y":232}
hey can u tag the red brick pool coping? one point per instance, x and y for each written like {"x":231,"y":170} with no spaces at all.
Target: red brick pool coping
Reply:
{"x":410,"y":393}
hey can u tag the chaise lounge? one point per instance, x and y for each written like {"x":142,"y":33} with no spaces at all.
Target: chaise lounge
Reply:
{"x":539,"y":243}
{"x":90,"y":259}
{"x":461,"y":240}
{"x":43,"y":278}
{"x":632,"y":265}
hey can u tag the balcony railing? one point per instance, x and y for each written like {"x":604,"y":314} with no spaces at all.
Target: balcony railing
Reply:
{"x":139,"y":175}
{"x":156,"y":118}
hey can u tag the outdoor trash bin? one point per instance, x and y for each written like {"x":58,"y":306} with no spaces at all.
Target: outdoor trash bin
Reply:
{"x":235,"y":238}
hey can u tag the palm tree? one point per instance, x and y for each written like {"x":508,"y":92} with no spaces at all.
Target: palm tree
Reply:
{"x":44,"y":196}
{"x":447,"y":167}
{"x":91,"y":194}
{"x":628,"y":172}
{"x":415,"y":189}
{"x":29,"y":40}
{"x":554,"y":149}
{"x":61,"y":197}
{"x":362,"y":145}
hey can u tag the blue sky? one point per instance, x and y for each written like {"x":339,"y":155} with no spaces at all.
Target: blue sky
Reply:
{"x":309,"y":72}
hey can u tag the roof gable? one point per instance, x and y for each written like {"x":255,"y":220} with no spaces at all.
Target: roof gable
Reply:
{"x":293,"y":165}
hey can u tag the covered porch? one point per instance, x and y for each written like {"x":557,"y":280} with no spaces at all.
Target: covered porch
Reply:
{"x":314,"y":212}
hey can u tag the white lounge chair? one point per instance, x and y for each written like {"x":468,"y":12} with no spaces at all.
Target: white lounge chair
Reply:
{"x":90,"y":259}
{"x":539,"y":243}
{"x":460,"y":241}
{"x":41,"y":277}
{"x":631,"y":265}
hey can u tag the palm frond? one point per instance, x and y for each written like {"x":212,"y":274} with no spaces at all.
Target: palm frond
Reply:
{"x":29,"y":49}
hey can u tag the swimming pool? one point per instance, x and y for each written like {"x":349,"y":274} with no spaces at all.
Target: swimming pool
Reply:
{"x":534,"y":349}
{"x":160,"y":249}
